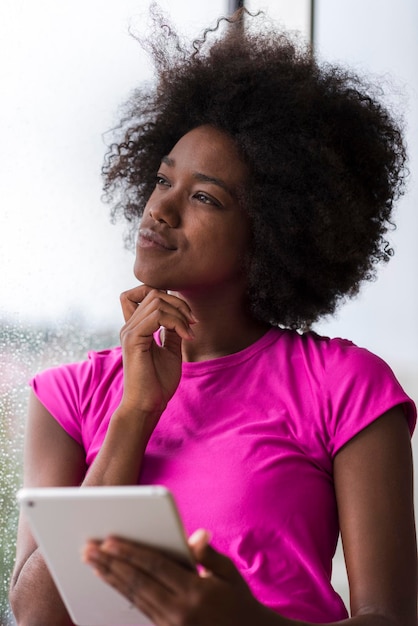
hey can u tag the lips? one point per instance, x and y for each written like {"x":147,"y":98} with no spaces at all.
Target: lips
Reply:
{"x":148,"y":238}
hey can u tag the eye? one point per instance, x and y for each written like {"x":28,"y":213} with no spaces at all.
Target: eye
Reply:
{"x":205,"y":199}
{"x":161,"y":181}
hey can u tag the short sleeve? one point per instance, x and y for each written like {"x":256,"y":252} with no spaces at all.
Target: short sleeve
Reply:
{"x":360,"y":388}
{"x":61,"y":389}
{"x":81,"y":395}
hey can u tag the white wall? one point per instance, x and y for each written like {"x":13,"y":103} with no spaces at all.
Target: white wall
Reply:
{"x":382,"y":38}
{"x":66,"y":66}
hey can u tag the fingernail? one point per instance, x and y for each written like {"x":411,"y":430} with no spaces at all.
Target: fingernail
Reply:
{"x":91,"y":555}
{"x":200,"y":535}
{"x":110,"y":548}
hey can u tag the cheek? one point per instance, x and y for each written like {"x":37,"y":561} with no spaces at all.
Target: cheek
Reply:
{"x":227,"y":248}
{"x":240,"y":238}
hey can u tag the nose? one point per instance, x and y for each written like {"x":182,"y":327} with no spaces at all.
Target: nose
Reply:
{"x":164,"y":210}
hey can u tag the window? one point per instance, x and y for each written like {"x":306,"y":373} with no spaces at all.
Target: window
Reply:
{"x":69,"y":66}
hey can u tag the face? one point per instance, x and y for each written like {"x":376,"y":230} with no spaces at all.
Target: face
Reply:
{"x":194,"y":234}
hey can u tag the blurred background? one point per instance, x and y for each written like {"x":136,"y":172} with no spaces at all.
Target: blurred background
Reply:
{"x":66,"y":67}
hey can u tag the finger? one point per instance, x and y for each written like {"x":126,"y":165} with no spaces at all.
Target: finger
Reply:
{"x":173,"y":321}
{"x":135,"y":309}
{"x":152,"y":563}
{"x":136,"y":331}
{"x":147,"y":594}
{"x":171,"y":341}
{"x":213,"y":561}
{"x":156,"y":314}
{"x":199,"y":539}
{"x":177,"y":303}
{"x":131,"y":298}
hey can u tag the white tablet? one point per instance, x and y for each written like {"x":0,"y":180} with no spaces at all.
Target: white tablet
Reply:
{"x":63,"y":518}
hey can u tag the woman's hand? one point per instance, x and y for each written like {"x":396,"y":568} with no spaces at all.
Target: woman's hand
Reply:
{"x":169,"y":593}
{"x":152,"y":372}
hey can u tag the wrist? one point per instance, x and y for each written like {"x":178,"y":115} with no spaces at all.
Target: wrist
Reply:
{"x":140,"y":406}
{"x":132,"y":425}
{"x":133,"y":416}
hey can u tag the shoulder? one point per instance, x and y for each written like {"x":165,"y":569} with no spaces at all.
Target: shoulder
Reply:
{"x":82,"y":372}
{"x":335,"y":356}
{"x":318,"y":353}
{"x":350,"y":386}
{"x":67,"y":391}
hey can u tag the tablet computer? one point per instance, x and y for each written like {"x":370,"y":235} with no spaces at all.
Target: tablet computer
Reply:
{"x":63,"y":518}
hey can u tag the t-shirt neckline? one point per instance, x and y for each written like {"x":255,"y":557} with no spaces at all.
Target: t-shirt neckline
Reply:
{"x":196,"y":368}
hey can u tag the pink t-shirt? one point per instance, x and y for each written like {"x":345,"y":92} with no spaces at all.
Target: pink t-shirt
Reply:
{"x":246,"y":445}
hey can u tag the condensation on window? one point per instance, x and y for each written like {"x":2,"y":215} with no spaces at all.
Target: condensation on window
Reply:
{"x":25,"y":350}
{"x":58,"y":252}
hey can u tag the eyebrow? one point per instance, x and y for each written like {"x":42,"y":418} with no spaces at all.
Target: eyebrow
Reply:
{"x":202,"y":177}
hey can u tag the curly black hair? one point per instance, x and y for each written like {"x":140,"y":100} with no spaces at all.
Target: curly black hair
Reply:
{"x":327,"y":159}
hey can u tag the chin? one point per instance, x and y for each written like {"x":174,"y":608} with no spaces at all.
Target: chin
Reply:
{"x":149,"y":279}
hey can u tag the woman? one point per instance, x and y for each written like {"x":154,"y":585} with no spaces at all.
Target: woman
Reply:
{"x":264,"y":184}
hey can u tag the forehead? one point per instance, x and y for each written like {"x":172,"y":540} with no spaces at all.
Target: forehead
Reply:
{"x":210,"y":151}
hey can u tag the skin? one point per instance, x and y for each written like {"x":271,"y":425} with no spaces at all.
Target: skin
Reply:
{"x":194,"y":208}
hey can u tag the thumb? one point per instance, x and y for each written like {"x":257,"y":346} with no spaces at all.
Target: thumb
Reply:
{"x":214,"y":562}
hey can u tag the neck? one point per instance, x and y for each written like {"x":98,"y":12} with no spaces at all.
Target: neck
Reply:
{"x":224,"y":326}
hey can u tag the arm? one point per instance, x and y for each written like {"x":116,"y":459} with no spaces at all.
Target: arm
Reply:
{"x":151,"y":376}
{"x":373,"y":482}
{"x":53,"y":458}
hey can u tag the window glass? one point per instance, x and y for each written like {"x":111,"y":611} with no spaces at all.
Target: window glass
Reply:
{"x":292,"y":14}
{"x":383,"y":317}
{"x":66,"y":68}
